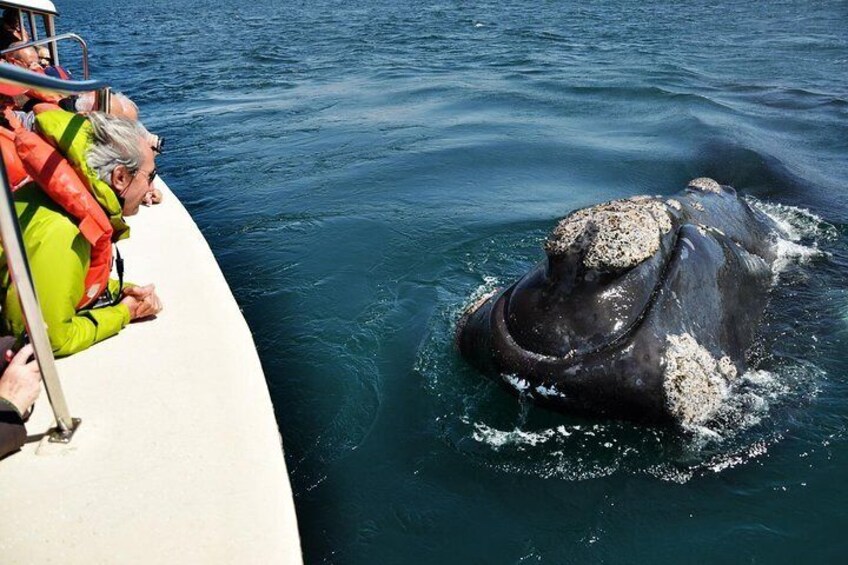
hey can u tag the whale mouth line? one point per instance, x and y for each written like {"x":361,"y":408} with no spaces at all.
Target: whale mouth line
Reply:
{"x":574,"y":357}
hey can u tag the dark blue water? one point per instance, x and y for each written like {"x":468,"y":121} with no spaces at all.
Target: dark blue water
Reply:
{"x":362,"y":169}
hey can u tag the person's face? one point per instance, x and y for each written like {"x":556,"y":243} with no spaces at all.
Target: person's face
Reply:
{"x":134,"y":187}
{"x":13,"y":24}
{"x":30,"y":58}
{"x":43,"y":56}
{"x":27,"y":58}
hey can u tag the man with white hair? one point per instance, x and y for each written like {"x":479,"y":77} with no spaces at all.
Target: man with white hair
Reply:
{"x":114,"y":157}
{"x":26,"y":57}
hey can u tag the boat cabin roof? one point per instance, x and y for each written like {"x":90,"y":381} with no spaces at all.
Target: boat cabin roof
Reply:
{"x":38,"y":6}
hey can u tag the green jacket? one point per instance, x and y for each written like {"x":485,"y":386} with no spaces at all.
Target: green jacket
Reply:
{"x":58,"y":253}
{"x":58,"y":259}
{"x":71,"y":134}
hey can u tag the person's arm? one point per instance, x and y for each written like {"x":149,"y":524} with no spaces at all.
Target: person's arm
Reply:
{"x":71,"y":331}
{"x":12,"y":431}
{"x":59,"y":277}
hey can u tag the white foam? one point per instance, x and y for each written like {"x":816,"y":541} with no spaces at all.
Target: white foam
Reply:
{"x":748,"y":403}
{"x":499,"y":438}
{"x":489,"y":287}
{"x":800,"y":230}
{"x":549,"y":392}
{"x":728,"y":462}
{"x":789,"y":252}
{"x":517,"y":383}
{"x":519,"y":438}
{"x":739,"y":433}
{"x":795,"y":222}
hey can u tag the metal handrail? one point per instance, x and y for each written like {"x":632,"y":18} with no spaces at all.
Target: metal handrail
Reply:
{"x":16,"y":259}
{"x":53,"y":40}
{"x":12,"y":74}
{"x":18,"y":265}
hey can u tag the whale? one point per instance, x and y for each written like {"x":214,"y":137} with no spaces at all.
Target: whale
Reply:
{"x":643,"y":309}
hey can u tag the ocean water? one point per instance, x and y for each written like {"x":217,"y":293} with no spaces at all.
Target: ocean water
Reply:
{"x":363,"y":169}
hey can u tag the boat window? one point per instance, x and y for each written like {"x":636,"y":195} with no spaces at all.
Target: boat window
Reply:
{"x":41,"y":25}
{"x":47,"y":25}
{"x":31,"y":27}
{"x":40,"y":29}
{"x":29,"y":24}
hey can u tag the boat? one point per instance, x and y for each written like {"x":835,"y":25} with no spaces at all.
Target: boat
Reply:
{"x":158,"y":445}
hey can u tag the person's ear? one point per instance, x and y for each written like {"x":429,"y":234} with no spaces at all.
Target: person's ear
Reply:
{"x":121,"y":178}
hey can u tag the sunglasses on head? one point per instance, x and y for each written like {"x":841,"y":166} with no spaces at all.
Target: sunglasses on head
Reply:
{"x":157,"y":143}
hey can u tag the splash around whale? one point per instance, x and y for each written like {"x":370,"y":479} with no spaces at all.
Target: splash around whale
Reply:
{"x":643,"y":309}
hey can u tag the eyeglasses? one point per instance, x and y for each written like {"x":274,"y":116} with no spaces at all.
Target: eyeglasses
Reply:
{"x":151,"y":176}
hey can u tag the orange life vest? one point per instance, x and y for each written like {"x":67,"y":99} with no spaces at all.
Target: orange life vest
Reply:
{"x":55,"y":175}
{"x":14,"y":167}
{"x":45,"y":107}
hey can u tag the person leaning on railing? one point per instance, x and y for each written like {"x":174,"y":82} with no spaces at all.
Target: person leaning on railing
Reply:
{"x":28,"y":58}
{"x":20,"y":384}
{"x":115,"y":157}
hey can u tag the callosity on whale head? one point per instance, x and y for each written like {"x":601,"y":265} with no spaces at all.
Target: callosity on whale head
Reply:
{"x":643,"y":309}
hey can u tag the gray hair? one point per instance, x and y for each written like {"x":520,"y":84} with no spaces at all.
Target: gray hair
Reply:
{"x":115,"y":141}
{"x":21,"y":54}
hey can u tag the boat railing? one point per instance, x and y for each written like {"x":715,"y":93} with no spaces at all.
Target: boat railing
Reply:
{"x":16,"y":258}
{"x":52,"y":40}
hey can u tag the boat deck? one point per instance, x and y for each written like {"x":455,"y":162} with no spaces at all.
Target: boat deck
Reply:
{"x":178,"y":458}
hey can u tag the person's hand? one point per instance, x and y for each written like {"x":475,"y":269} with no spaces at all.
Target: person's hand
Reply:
{"x":152,"y":197}
{"x":142,"y":301}
{"x":21,"y":381}
{"x":12,"y":118}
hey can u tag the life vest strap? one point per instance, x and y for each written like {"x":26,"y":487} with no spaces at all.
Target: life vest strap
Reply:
{"x":90,"y":229}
